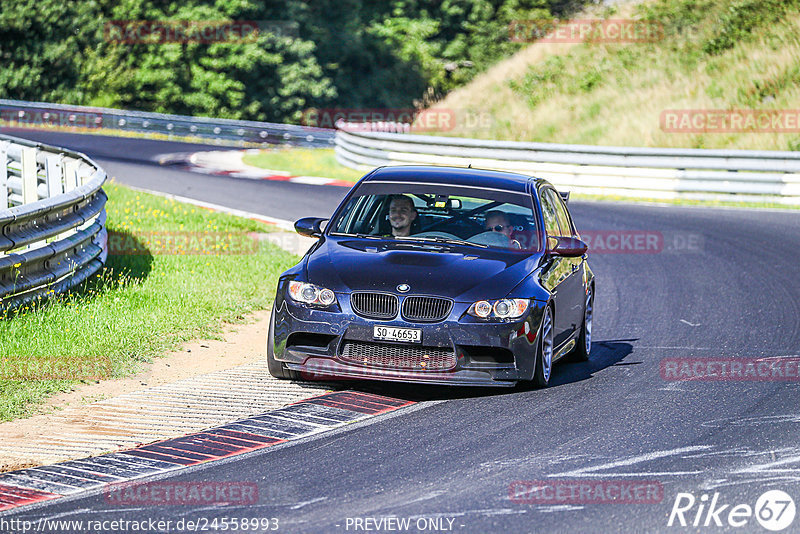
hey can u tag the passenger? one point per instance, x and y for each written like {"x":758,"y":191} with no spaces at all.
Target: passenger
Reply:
{"x":497,"y":221}
{"x":402,"y":214}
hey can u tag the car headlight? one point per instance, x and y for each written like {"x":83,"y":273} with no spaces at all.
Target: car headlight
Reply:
{"x":498,"y":309}
{"x":311,"y":294}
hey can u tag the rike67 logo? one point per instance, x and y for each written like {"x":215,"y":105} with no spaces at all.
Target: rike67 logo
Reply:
{"x":774,"y":510}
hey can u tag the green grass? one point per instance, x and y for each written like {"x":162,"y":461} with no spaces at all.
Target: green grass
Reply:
{"x":139,"y":306}
{"x":304,"y":162}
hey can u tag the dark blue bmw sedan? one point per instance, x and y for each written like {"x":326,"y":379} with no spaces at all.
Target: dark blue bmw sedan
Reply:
{"x":437,"y":275}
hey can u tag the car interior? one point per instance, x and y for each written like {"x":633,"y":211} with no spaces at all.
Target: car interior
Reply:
{"x":446,"y":217}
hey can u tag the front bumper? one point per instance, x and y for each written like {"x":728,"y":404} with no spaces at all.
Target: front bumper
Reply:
{"x":486,"y":353}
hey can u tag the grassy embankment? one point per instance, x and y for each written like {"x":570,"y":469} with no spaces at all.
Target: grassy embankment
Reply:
{"x":140,"y":305}
{"x":714,"y":54}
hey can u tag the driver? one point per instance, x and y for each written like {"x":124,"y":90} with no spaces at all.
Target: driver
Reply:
{"x":401,"y":214}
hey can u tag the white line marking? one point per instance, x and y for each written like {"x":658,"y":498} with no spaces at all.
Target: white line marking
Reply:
{"x":589,"y":471}
{"x":769,"y":467}
{"x":559,"y":508}
{"x":301,"y":504}
{"x":716,"y":484}
{"x":672,"y":386}
{"x":312,"y":180}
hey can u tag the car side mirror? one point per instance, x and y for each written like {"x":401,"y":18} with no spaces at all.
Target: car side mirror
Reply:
{"x":309,"y":226}
{"x":568,"y":247}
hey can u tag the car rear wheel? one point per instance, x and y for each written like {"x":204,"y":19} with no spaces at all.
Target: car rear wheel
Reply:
{"x":275,"y":367}
{"x":544,"y":359}
{"x":583,"y":345}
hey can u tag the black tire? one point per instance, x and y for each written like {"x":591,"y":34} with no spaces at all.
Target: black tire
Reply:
{"x":544,"y":362}
{"x":275,"y":367}
{"x":583,"y":345}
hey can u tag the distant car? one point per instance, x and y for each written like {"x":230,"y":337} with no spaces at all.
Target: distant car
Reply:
{"x":437,"y":275}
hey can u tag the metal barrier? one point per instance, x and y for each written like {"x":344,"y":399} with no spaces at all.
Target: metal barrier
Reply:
{"x":41,"y":114}
{"x":661,"y":173}
{"x":52,"y":220}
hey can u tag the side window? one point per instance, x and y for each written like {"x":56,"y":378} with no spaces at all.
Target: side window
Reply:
{"x":549,"y":213}
{"x":564,"y":219}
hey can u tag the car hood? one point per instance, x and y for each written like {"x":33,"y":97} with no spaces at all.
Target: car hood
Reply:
{"x":458,"y":272}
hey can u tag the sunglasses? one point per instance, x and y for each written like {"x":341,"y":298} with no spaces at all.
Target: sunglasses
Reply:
{"x":499,"y":227}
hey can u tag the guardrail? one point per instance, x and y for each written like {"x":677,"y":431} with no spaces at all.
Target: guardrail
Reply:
{"x":41,"y":114}
{"x":661,"y":173}
{"x":52,"y":220}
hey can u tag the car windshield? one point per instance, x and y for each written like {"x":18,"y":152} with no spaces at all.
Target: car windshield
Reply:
{"x":439,"y":213}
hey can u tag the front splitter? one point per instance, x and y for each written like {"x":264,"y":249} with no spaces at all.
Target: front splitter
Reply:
{"x":327,"y":369}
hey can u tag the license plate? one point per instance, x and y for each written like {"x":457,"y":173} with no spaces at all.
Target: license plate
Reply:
{"x":391,"y":333}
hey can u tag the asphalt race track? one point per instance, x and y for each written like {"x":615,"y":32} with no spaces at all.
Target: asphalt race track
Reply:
{"x":723,"y":283}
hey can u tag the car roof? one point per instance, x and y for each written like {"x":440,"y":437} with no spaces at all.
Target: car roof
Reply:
{"x":428,"y":174}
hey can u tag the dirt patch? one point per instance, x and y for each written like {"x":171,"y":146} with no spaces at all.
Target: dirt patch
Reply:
{"x":241,"y":344}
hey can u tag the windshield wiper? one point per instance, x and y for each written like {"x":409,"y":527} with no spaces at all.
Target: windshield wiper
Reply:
{"x":367,"y":236}
{"x":443,"y":240}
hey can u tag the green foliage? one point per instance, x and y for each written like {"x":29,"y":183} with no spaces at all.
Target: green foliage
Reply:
{"x":540,"y":82}
{"x":554,"y":75}
{"x":695,"y":33}
{"x":769,"y":86}
{"x":740,"y":18}
{"x":710,"y":26}
{"x":347,"y":53}
{"x":41,"y":48}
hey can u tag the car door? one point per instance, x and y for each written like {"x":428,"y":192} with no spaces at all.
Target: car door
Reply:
{"x":574,"y":286}
{"x":557,"y":272}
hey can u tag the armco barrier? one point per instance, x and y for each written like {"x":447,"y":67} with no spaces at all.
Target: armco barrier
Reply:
{"x":730,"y":175}
{"x":42,"y":114}
{"x":52,"y":220}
